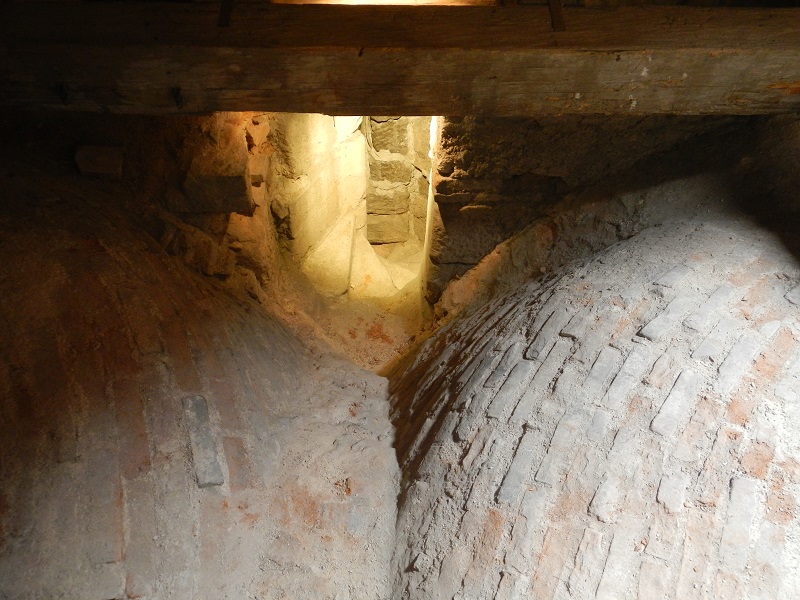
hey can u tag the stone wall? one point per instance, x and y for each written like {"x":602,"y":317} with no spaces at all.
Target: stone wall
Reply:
{"x":493,"y":176}
{"x":399,"y":168}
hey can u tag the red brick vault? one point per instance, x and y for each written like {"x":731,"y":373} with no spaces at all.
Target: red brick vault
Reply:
{"x":625,"y":427}
{"x":161,"y":438}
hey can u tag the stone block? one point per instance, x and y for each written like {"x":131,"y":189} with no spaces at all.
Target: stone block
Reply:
{"x":391,"y":135}
{"x":219,"y":184}
{"x":369,"y":277}
{"x":389,"y":200}
{"x":399,"y":171}
{"x":328,"y":263}
{"x":421,"y":133}
{"x":384,"y":229}
{"x":204,"y":451}
{"x":100,"y":161}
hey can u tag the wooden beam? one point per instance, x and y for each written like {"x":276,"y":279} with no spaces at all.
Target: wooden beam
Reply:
{"x":173,"y":58}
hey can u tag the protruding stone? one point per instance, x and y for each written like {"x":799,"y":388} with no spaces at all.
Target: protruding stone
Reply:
{"x":204,"y":452}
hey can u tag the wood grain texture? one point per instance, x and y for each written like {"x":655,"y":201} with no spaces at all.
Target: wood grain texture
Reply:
{"x":137,"y":58}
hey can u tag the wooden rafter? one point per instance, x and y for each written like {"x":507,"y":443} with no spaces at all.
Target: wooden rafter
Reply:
{"x":173,"y":58}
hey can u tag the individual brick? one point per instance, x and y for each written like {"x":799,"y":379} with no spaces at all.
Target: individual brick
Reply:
{"x":607,"y":500}
{"x":714,"y":343}
{"x":600,"y":425}
{"x":654,"y":580}
{"x":766,"y":566}
{"x":756,"y":459}
{"x":735,"y":541}
{"x":719,"y":465}
{"x":500,"y":372}
{"x":661,"y":373}
{"x":140,"y":558}
{"x":518,"y":470}
{"x":605,"y":365}
{"x":708,"y":312}
{"x":133,"y":438}
{"x":676,"y":407}
{"x":548,"y":334}
{"x":698,"y":545}
{"x":666,"y":320}
{"x":628,"y":377}
{"x":558,"y":549}
{"x":524,"y":543}
{"x":727,"y":585}
{"x":577,"y":326}
{"x":697,"y":438}
{"x":738,"y":362}
{"x":239,"y":471}
{"x":664,"y":536}
{"x":619,"y":566}
{"x":510,"y":391}
{"x":181,"y":360}
{"x":589,"y":562}
{"x":561,"y":447}
{"x":541,"y":380}
{"x":674,"y":276}
{"x":104,"y":536}
{"x":672,"y":491}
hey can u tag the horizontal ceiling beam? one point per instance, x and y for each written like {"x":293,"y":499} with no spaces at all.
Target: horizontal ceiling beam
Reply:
{"x":154,"y":58}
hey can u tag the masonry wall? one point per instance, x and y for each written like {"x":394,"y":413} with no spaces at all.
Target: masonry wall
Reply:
{"x":494,"y":176}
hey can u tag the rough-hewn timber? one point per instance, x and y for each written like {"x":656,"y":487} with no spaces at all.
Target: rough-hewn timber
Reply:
{"x":172,"y":58}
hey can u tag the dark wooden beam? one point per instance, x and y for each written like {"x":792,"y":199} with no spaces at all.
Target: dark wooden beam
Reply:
{"x":174,"y":58}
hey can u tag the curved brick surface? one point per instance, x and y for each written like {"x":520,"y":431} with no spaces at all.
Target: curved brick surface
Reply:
{"x":160,"y":439}
{"x":627,"y":428}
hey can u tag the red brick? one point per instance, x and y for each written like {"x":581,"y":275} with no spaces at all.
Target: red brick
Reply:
{"x":719,"y":466}
{"x":741,"y":408}
{"x":180,"y":357}
{"x":142,"y":323}
{"x":118,"y":355}
{"x":224,"y":395}
{"x":755,"y":461}
{"x":104,"y":536}
{"x":781,"y":505}
{"x":239,"y":471}
{"x":560,"y":546}
{"x":134,"y":444}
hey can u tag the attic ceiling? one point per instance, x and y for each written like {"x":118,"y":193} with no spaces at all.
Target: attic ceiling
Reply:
{"x":173,"y":58}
